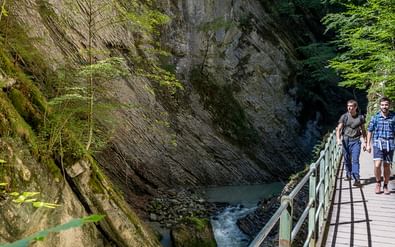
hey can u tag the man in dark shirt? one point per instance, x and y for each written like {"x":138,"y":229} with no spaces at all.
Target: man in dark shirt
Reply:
{"x":348,"y":135}
{"x":382,"y":127}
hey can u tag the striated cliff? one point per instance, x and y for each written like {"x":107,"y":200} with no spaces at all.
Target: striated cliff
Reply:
{"x":234,"y":121}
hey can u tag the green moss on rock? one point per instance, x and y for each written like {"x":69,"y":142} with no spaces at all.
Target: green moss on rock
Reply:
{"x":13,"y":123}
{"x":25,"y":107}
{"x":194,"y":232}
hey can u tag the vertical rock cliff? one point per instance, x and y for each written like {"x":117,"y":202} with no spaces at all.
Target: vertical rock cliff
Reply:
{"x":236,"y":119}
{"x":234,"y":122}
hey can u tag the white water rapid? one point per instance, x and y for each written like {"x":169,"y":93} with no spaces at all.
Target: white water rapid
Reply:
{"x":242,"y":200}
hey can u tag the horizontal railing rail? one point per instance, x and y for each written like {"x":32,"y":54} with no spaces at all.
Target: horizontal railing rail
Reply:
{"x":321,"y":178}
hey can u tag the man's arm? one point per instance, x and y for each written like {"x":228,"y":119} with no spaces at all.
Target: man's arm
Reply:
{"x":363,"y":131}
{"x":371,"y":129}
{"x":338,"y":133}
{"x":368,"y":139}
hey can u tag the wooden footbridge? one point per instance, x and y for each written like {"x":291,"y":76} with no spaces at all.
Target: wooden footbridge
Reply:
{"x":337,"y":213}
{"x":359,"y":217}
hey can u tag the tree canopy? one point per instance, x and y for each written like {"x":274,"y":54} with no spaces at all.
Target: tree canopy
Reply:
{"x":366,"y":45}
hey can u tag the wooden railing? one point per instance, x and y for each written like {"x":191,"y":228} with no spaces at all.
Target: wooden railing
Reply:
{"x":321,"y":177}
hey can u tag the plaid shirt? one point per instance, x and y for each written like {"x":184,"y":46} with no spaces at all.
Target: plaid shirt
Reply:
{"x":384,"y":131}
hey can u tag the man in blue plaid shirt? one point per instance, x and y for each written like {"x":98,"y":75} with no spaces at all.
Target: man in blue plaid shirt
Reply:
{"x":382,"y":127}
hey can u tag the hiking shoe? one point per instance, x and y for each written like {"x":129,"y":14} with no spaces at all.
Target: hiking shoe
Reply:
{"x":386,"y":190}
{"x":378,"y":188}
{"x":357,"y":183}
{"x":347,"y":178}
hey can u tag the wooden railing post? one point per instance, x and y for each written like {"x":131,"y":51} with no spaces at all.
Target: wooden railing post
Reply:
{"x":286,"y":223}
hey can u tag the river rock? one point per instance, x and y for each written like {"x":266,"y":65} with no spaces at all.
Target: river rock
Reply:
{"x":153,"y":217}
{"x":172,"y":208}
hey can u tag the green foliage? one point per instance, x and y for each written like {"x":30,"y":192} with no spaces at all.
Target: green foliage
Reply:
{"x":152,"y":60}
{"x":164,"y":78}
{"x":318,"y":83}
{"x":39,"y":236}
{"x":316,"y":62}
{"x":365,"y":37}
{"x":26,"y":196}
{"x":99,"y":70}
{"x":3,"y":11}
{"x":103,"y":70}
{"x":143,"y":18}
{"x":30,"y":197}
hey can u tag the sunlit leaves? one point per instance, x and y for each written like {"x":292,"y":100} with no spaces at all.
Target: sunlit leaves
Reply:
{"x":144,"y":18}
{"x":105,"y":69}
{"x":165,"y":78}
{"x":45,"y":205}
{"x":3,"y":11}
{"x":366,"y":34}
{"x":31,"y":197}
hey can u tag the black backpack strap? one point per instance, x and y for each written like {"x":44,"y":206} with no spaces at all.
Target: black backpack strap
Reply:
{"x":362,"y":117}
{"x":345,"y":118}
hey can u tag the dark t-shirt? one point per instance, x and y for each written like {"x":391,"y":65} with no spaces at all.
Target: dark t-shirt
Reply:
{"x":352,"y":128}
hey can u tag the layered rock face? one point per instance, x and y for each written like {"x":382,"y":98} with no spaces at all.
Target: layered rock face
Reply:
{"x":234,"y":122}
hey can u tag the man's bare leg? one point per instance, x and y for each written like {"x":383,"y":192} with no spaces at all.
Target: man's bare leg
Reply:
{"x":387,"y":173}
{"x":377,"y":170}
{"x":377,"y":174}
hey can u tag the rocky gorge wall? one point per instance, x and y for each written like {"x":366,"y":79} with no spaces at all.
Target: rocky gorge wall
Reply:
{"x":234,"y":122}
{"x":236,"y":119}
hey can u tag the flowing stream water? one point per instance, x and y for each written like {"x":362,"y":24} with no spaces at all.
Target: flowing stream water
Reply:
{"x":242,"y":200}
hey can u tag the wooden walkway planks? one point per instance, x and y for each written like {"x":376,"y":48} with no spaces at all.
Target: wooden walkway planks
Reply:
{"x":359,"y":216}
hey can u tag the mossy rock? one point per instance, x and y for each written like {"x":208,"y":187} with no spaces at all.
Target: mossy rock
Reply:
{"x":25,"y":107}
{"x":13,"y":123}
{"x":194,"y":232}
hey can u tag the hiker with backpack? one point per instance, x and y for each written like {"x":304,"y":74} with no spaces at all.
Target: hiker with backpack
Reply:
{"x":382,"y":127}
{"x":348,"y":135}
